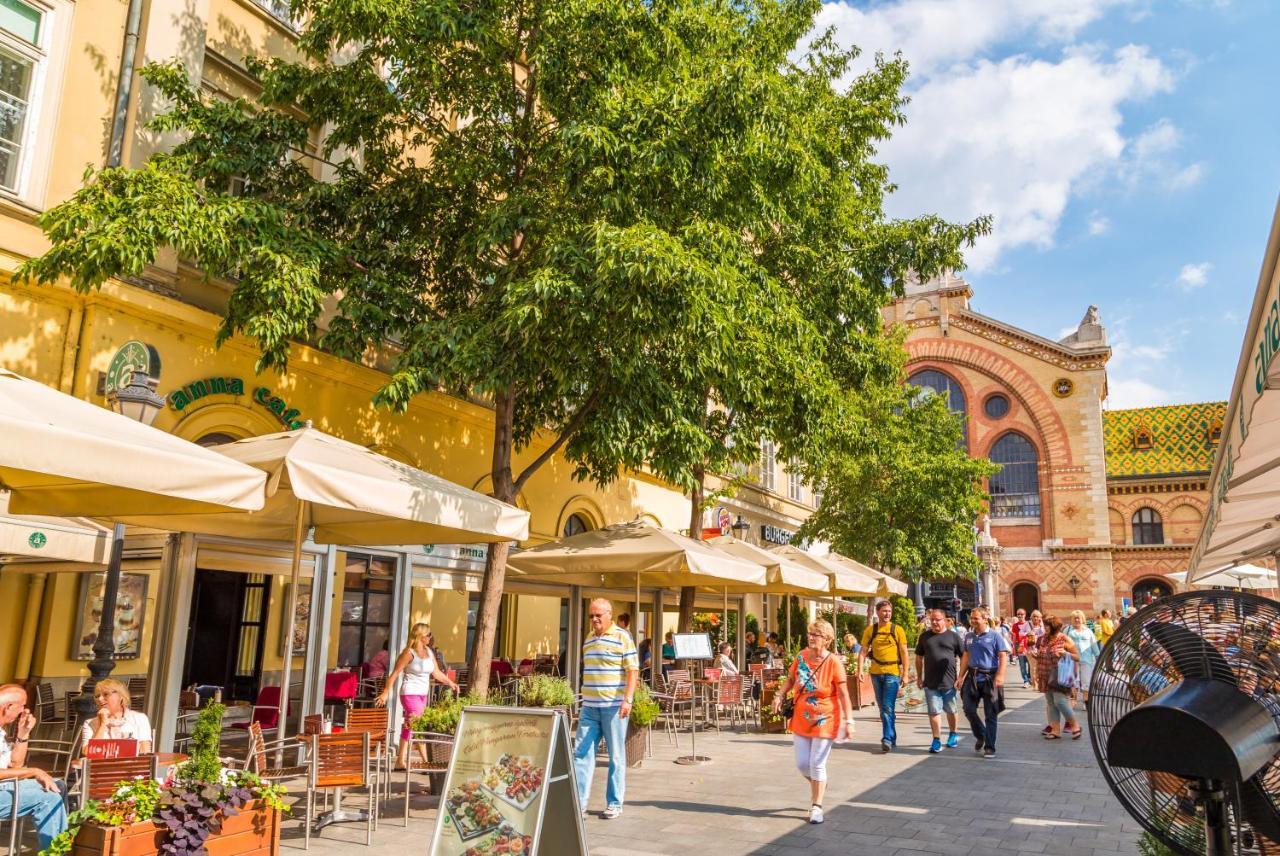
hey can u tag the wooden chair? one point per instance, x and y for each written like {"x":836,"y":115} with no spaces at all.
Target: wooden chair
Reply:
{"x":670,"y":704}
{"x":728,"y":695}
{"x":463,"y":679}
{"x":712,"y":674}
{"x":138,"y":694}
{"x":258,"y":759}
{"x":437,"y":749}
{"x":103,"y":776}
{"x":375,"y":722}
{"x":339,"y":761}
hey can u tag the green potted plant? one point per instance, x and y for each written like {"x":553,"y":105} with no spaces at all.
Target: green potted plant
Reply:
{"x":202,"y":804}
{"x":644,"y":712}
{"x":442,"y":717}
{"x":545,"y":691}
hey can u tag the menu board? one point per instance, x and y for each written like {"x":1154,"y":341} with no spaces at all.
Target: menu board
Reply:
{"x":692,"y":646}
{"x":510,"y":770}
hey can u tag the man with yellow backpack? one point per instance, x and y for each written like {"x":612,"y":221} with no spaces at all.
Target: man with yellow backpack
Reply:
{"x":885,"y":643}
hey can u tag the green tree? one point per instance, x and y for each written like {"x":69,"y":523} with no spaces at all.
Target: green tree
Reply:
{"x":641,"y":227}
{"x":902,"y":494}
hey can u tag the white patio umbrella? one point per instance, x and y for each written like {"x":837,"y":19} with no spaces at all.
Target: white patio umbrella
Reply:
{"x":887,"y":585}
{"x":1237,"y":576}
{"x":347,"y":494}
{"x":64,"y":457}
{"x":844,"y":580}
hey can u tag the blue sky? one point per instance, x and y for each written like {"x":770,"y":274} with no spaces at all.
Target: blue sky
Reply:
{"x":1129,"y":151}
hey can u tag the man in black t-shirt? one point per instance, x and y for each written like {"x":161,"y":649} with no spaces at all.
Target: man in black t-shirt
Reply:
{"x":937,"y":654}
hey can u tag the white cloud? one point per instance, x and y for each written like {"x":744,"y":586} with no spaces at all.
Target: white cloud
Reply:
{"x":1152,"y":158}
{"x":1013,"y":134}
{"x":1140,"y":374}
{"x":1135,"y":392}
{"x":1194,"y":276}
{"x":1099,"y":224}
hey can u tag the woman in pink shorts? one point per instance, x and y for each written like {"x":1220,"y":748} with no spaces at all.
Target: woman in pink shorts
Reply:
{"x":419,"y":667}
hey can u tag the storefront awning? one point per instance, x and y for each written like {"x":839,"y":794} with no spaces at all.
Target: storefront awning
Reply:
{"x":1243,"y":521}
{"x":32,"y":540}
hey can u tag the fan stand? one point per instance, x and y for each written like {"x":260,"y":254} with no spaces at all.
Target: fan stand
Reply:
{"x":1208,"y":794}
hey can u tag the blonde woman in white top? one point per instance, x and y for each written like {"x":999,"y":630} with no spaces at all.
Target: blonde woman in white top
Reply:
{"x":419,"y":666}
{"x":115,"y":721}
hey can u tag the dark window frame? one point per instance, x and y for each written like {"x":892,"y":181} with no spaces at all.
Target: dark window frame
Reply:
{"x":1015,"y":490}
{"x":941,"y":383}
{"x":998,"y":399}
{"x":385,"y":585}
{"x":1149,"y":531}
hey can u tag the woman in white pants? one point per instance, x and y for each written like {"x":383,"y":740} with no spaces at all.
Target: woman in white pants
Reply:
{"x":823,"y":713}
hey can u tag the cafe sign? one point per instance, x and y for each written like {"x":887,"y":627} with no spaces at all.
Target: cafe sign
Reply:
{"x":181,"y":399}
{"x":776,"y":534}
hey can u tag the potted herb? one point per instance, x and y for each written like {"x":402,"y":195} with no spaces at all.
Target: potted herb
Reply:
{"x":644,"y":712}
{"x":545,"y":691}
{"x":203,"y":803}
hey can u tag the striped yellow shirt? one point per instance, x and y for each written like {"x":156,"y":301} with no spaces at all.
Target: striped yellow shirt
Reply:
{"x":606,"y":659}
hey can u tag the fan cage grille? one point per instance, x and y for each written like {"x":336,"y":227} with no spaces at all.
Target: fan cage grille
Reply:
{"x":1133,"y":666}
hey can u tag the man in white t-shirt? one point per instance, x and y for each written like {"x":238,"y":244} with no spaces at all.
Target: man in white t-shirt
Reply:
{"x":39,"y":795}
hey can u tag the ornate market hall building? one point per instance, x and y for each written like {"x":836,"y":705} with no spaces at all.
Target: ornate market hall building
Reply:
{"x":1092,"y":507}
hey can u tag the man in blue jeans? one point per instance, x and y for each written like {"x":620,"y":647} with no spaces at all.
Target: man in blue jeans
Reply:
{"x":610,"y":671}
{"x":886,"y":644}
{"x":981,"y":679}
{"x":39,"y":795}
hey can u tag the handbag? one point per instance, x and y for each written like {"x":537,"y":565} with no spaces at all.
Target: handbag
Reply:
{"x":1063,"y":679}
{"x":787,"y":708}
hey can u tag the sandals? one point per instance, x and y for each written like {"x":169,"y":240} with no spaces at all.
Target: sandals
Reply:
{"x":1051,"y":736}
{"x":1078,"y":733}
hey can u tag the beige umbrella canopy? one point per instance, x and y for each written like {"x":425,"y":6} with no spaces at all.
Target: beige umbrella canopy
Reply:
{"x":1236,"y":577}
{"x":843,"y":579}
{"x":662,"y":557}
{"x":348,"y":495}
{"x":59,"y":539}
{"x":62,"y":456}
{"x":783,"y":575}
{"x":888,"y":585}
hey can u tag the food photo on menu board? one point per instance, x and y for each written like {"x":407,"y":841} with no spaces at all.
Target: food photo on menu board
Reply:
{"x":496,"y":785}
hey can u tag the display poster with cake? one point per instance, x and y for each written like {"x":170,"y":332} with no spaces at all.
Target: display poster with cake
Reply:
{"x":131,"y":608}
{"x":510,"y":786}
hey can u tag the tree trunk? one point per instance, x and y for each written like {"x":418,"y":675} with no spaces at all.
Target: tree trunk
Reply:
{"x":495,"y":563}
{"x":688,"y":593}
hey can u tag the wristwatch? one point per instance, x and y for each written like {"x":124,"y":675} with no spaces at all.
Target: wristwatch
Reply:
{"x":21,"y":739}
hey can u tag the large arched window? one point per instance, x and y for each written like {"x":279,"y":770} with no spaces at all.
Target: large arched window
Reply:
{"x":1149,"y":591}
{"x":1148,"y":528}
{"x":938,"y":383}
{"x":1015,"y":490}
{"x":576,"y":525}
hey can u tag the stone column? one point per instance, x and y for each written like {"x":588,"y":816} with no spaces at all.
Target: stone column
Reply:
{"x":989,"y":551}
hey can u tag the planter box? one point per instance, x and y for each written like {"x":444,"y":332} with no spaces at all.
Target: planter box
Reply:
{"x":769,"y":723}
{"x":255,"y":831}
{"x":637,"y":742}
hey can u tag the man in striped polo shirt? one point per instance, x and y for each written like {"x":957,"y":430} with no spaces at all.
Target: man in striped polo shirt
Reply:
{"x":610,"y":670}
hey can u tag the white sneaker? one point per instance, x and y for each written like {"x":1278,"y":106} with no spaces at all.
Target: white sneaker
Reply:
{"x":611,"y":812}
{"x":815,"y":814}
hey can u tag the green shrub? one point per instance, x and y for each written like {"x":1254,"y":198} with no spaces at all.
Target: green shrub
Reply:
{"x":645,"y":709}
{"x":904,"y":615}
{"x":205,"y":765}
{"x":545,"y":691}
{"x":442,"y":717}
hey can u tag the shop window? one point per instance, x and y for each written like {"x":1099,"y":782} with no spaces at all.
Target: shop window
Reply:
{"x":252,"y":630}
{"x":576,"y":525}
{"x":473,"y":613}
{"x":1148,"y":528}
{"x":996,"y":407}
{"x":1015,"y":490}
{"x":22,"y":31}
{"x":934,"y":382}
{"x":366,"y":608}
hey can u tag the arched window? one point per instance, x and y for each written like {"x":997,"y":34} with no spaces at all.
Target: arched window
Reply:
{"x":576,"y":525}
{"x":938,"y":383}
{"x":1148,"y":528}
{"x":1015,"y":490}
{"x":217,"y":438}
{"x":1147,"y":591}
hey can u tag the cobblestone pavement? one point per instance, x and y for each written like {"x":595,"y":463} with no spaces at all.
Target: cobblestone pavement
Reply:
{"x":1036,"y":796}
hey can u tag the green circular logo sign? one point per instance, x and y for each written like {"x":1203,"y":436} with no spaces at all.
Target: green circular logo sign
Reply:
{"x":37,"y":540}
{"x":133,"y":356}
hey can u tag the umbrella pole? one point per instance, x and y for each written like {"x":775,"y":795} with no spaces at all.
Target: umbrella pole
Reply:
{"x":636,"y":632}
{"x":291,"y":607}
{"x":835,"y":623}
{"x":786,"y":604}
{"x":724,"y":620}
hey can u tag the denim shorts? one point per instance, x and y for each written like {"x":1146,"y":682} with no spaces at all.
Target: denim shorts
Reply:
{"x":940,"y":700}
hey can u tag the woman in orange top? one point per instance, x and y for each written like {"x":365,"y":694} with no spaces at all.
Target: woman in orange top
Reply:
{"x":823,"y":712}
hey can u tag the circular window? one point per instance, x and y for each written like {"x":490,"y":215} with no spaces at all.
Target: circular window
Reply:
{"x":996,"y":407}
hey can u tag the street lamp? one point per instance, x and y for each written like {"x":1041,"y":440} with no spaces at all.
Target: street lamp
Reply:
{"x":739,"y":526}
{"x":1074,"y":582}
{"x":139,"y":401}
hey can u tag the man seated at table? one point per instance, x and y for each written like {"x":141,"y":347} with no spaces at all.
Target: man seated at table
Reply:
{"x":38,"y":794}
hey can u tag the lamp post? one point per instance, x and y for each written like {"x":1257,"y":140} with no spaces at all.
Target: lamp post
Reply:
{"x":139,"y":401}
{"x":1074,"y":582}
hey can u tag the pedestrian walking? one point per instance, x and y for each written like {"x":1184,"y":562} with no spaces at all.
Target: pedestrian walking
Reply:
{"x":419,"y":666}
{"x":1088,"y":648}
{"x":982,"y":668}
{"x":1023,"y":641}
{"x":610,"y":672}
{"x":39,"y":795}
{"x":1001,"y":626}
{"x":1051,"y":648}
{"x":938,"y":653}
{"x":822,"y":713}
{"x":886,"y":644}
{"x":1106,"y":626}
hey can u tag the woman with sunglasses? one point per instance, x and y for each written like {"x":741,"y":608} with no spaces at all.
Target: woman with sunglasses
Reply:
{"x":419,"y":666}
{"x":823,"y":713}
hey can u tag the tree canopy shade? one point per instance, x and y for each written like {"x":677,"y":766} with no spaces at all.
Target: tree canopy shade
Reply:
{"x":639,"y":225}
{"x":905,"y":495}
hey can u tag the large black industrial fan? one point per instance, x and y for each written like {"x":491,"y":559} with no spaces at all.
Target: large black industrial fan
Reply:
{"x":1184,"y":715}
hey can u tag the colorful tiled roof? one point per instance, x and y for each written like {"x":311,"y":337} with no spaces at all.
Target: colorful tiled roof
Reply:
{"x":1161,"y":440}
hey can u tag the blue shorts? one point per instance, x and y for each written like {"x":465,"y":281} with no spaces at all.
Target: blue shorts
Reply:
{"x":940,"y":700}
